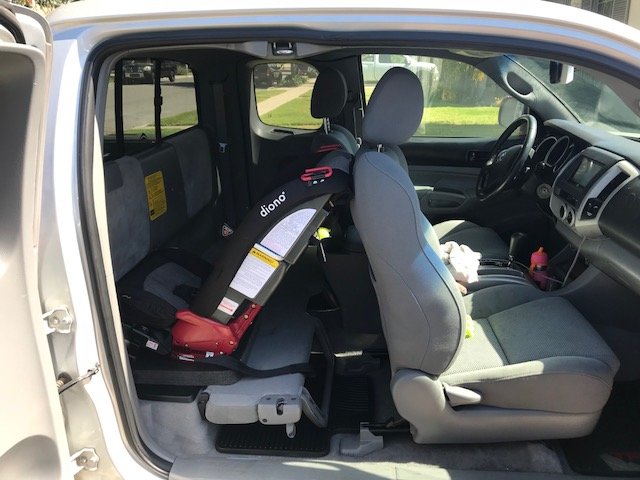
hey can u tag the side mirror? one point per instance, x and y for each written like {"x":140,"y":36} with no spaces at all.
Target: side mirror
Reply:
{"x":560,"y":73}
{"x":510,"y":109}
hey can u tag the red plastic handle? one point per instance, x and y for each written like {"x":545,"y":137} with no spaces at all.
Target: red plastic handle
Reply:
{"x":315,"y":174}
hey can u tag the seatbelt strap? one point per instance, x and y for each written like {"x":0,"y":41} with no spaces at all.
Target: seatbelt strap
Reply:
{"x":118,"y":103}
{"x":235,"y":365}
{"x":157,"y":99}
{"x":222,"y":153}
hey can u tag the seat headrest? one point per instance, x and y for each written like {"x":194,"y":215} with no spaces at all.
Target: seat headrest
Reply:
{"x":329,"y":94}
{"x":395,"y":109}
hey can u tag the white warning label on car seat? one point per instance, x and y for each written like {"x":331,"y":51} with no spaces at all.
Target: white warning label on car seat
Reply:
{"x":228,"y":306}
{"x":281,"y":238}
{"x":254,"y":273}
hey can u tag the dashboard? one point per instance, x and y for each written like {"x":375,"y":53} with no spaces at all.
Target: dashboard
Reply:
{"x":591,"y":180}
{"x":585,"y":186}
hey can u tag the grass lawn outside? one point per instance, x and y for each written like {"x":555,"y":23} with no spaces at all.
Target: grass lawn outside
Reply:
{"x":293,"y":114}
{"x":460,"y":122}
{"x":444,"y":121}
{"x":181,"y":119}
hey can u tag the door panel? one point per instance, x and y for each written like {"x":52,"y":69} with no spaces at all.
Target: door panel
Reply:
{"x":448,"y":152}
{"x":33,"y":442}
{"x":445,"y":172}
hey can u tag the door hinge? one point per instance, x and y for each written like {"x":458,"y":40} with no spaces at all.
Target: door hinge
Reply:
{"x":59,"y":320}
{"x":65,"y":382}
{"x":85,"y":459}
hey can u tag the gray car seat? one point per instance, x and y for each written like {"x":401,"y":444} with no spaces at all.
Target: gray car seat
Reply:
{"x":480,"y":239}
{"x":533,"y":368}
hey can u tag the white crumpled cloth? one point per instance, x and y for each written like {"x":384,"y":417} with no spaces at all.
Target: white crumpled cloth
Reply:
{"x":462,"y":262}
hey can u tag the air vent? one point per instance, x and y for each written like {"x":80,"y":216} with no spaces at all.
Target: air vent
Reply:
{"x":613,"y":184}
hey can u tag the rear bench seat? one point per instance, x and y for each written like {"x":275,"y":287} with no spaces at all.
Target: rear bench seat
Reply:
{"x":158,"y":257}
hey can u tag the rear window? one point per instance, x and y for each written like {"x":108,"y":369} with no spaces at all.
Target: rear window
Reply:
{"x":131,"y":101}
{"x":283,"y":95}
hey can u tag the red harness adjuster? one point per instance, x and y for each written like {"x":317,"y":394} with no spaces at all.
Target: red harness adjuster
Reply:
{"x":316,"y":175}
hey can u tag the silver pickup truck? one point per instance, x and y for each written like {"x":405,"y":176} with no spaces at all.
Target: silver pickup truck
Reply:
{"x":374,"y":66}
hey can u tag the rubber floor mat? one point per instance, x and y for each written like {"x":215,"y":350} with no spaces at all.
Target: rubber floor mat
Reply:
{"x":258,"y":439}
{"x":613,"y":449}
{"x":350,"y":405}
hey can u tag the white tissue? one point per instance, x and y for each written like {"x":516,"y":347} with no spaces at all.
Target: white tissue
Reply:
{"x":462,"y":262}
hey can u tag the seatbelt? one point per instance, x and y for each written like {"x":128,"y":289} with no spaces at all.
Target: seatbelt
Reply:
{"x":222,"y":153}
{"x":118,"y":104}
{"x":157,"y":100}
{"x":238,"y":366}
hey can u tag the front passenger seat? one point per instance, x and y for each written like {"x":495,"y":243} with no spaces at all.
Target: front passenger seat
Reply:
{"x":534,"y":368}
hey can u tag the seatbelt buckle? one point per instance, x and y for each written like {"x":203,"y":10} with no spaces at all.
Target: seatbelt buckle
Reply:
{"x":313,"y":176}
{"x":222,"y":147}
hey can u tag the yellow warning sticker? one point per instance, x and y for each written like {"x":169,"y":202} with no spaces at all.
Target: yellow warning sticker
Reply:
{"x":254,"y":273}
{"x":260,"y":255}
{"x":156,"y":196}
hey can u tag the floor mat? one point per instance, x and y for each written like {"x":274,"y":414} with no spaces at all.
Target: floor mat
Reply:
{"x":258,"y":439}
{"x":613,"y":449}
{"x":350,"y":404}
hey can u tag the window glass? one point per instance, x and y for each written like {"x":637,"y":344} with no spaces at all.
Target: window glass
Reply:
{"x":178,"y":111}
{"x":589,"y":98}
{"x":283,"y":95}
{"x":460,"y":100}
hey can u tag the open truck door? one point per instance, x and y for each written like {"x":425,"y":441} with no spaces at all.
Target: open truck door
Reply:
{"x":33,"y":442}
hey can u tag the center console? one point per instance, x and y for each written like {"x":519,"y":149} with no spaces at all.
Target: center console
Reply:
{"x":584,"y":187}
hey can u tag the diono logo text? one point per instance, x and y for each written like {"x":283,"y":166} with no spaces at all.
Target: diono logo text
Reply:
{"x":267,"y":209}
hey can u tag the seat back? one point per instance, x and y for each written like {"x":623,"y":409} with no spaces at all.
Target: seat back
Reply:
{"x":153,"y":196}
{"x":422,"y":310}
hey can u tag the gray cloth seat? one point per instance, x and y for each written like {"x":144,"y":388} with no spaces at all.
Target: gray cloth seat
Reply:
{"x":479,"y":239}
{"x":524,"y":341}
{"x":534,"y":367}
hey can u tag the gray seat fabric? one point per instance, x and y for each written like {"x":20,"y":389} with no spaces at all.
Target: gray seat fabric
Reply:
{"x":479,"y":239}
{"x":127,"y":214}
{"x":534,"y":367}
{"x":187,"y":179}
{"x":524,"y":342}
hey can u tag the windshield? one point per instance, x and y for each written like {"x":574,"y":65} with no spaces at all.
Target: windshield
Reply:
{"x":590,"y":100}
